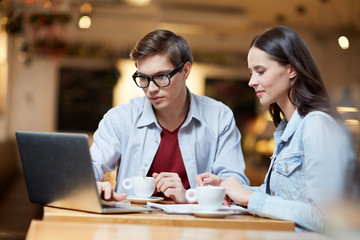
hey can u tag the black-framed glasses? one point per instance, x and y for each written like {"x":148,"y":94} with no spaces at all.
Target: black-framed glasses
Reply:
{"x":160,"y":80}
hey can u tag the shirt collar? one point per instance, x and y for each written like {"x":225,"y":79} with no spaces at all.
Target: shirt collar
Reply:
{"x":286,"y":129}
{"x":148,"y":116}
{"x":193,"y":109}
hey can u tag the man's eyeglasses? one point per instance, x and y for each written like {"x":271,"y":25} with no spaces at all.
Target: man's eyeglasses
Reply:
{"x":161,"y":80}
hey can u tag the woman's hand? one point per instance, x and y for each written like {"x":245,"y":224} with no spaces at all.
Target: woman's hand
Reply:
{"x":208,"y":179}
{"x":236,"y":191}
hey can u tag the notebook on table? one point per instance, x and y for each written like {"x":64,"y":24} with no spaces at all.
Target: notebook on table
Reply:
{"x":58,"y":172}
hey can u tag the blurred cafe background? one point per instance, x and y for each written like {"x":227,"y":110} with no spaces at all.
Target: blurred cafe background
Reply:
{"x":64,"y":63}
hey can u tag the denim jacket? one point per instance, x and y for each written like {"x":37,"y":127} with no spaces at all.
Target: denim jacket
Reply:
{"x":308,"y":171}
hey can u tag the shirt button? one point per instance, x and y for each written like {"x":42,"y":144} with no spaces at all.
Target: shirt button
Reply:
{"x":272,"y":193}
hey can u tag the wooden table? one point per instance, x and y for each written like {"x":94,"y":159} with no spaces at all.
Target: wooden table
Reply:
{"x":246,"y":222}
{"x":44,"y":230}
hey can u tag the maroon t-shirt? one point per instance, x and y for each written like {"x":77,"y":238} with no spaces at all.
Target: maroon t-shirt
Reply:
{"x":168,"y":158}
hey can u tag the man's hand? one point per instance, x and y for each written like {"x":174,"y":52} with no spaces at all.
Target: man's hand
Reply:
{"x":106,"y":191}
{"x":170,"y":184}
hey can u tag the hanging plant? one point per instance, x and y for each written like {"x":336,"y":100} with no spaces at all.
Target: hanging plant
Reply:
{"x":47,"y":19}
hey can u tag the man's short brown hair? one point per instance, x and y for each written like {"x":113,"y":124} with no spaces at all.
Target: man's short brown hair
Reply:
{"x":165,"y":42}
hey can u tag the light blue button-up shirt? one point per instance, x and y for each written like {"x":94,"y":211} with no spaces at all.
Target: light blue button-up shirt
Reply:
{"x":310,"y":164}
{"x":129,"y":136}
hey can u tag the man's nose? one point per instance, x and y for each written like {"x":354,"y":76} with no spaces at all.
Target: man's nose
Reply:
{"x":152,"y":87}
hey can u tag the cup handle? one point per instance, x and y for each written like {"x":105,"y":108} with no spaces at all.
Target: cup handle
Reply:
{"x":190,"y":195}
{"x":127,"y":183}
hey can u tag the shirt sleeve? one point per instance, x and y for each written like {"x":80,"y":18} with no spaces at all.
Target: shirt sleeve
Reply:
{"x":229,"y":161}
{"x":106,"y":148}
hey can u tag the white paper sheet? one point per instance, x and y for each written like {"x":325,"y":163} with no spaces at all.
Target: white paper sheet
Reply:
{"x":190,"y":208}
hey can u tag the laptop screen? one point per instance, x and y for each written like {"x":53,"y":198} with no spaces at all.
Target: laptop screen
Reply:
{"x":58,"y":170}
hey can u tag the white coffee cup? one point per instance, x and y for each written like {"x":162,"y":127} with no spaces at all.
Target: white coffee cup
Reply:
{"x":210,"y":198}
{"x":141,"y":186}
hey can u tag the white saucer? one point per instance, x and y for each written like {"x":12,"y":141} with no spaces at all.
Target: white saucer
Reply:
{"x":142,"y":200}
{"x":213,"y":214}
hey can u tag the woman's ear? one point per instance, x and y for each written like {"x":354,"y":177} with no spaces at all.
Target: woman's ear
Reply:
{"x":291,"y":71}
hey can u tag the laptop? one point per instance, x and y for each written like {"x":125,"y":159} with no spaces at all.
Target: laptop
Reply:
{"x":58,"y":172}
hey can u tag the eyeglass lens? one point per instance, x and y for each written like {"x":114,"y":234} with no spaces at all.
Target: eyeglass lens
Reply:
{"x":161,"y":80}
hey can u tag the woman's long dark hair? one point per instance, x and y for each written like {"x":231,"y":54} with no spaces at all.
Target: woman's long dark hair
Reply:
{"x":307,"y":92}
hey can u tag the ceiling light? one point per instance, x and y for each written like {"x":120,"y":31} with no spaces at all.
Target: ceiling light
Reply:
{"x":84,"y":22}
{"x":86,"y":8}
{"x":139,"y":3}
{"x":343,"y":42}
{"x":48,"y":4}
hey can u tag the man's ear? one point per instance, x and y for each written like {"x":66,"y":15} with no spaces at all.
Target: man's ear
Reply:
{"x":186,"y":68}
{"x":291,"y":71}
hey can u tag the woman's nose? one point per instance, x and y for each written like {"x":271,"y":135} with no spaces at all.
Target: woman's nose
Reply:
{"x":252,"y":81}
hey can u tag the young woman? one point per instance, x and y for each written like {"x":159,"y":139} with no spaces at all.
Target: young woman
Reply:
{"x":313,"y":151}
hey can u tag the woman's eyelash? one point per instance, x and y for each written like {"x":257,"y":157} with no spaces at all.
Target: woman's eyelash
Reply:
{"x":259,"y":72}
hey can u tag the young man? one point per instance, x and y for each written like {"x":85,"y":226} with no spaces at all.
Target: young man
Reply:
{"x":171,"y":134}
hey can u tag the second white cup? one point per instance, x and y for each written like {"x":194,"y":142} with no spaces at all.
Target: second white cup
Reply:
{"x":210,"y":198}
{"x":141,"y":186}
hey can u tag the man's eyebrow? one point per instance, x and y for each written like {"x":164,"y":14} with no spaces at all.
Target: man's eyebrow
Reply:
{"x":157,"y":73}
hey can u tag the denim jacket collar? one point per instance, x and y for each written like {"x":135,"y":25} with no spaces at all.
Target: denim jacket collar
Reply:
{"x":286,"y":129}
